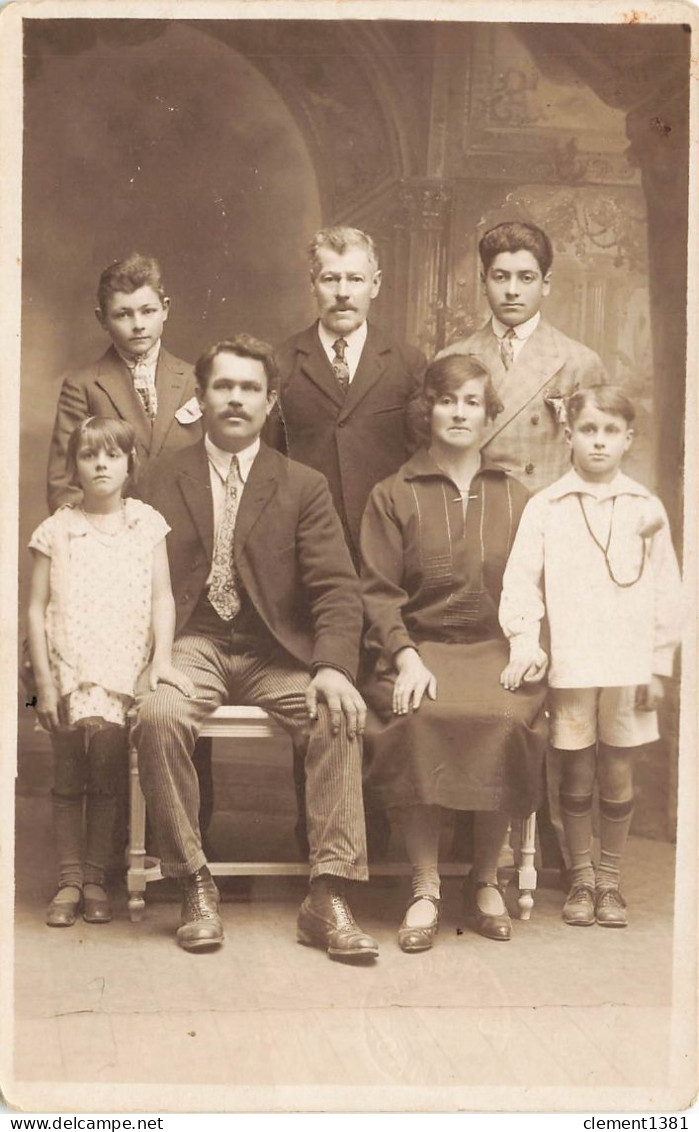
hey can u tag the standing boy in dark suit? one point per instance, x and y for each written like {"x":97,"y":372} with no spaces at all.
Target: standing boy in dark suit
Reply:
{"x":136,"y":380}
{"x":268,"y":613}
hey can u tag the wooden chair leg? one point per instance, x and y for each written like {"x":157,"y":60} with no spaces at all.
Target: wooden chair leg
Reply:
{"x":526,"y":872}
{"x":136,"y":872}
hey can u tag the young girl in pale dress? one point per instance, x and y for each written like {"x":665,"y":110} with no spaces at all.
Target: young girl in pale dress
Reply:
{"x":100,"y":608}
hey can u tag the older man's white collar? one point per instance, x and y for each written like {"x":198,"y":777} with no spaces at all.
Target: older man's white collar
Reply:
{"x":355,"y":344}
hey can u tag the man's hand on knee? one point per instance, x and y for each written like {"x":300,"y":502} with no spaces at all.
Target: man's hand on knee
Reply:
{"x":164,"y":672}
{"x":332,"y":687}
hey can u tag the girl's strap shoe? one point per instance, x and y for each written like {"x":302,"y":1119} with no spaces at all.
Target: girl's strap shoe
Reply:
{"x":96,"y":907}
{"x":63,"y":913}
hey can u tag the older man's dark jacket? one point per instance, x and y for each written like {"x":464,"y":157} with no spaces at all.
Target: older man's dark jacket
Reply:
{"x":356,"y":439}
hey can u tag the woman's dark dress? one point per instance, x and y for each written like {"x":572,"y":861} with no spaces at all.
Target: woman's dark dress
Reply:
{"x":432,"y":579}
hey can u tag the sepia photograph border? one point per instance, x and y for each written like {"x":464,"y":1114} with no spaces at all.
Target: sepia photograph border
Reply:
{"x":51,"y":1096}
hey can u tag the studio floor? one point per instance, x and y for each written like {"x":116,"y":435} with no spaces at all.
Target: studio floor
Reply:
{"x":555,"y":1009}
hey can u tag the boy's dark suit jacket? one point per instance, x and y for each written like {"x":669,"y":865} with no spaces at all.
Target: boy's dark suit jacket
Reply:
{"x":105,"y":389}
{"x":354,"y":440}
{"x":289,"y":551}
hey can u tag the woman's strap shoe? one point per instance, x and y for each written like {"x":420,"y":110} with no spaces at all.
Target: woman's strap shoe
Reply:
{"x":497,"y":927}
{"x":419,"y":938}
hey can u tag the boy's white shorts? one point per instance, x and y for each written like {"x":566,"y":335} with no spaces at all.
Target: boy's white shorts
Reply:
{"x":581,"y":716}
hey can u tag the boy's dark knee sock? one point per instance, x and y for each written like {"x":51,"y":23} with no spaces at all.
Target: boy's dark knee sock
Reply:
{"x":615,"y":823}
{"x":576,"y":815}
{"x":576,"y":812}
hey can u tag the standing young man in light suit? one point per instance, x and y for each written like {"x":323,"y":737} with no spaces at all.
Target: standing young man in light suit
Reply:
{"x":344,"y":383}
{"x":533,"y":366}
{"x":136,"y":380}
{"x":268,"y":613}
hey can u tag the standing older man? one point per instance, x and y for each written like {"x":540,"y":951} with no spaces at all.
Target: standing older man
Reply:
{"x":268,"y":613}
{"x":343,"y":383}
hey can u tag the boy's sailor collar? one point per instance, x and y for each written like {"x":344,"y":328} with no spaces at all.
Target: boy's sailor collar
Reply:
{"x":422,"y":466}
{"x":573,"y":484}
{"x":523,"y":331}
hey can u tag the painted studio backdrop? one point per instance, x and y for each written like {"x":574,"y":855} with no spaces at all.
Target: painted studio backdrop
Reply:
{"x":220,"y":146}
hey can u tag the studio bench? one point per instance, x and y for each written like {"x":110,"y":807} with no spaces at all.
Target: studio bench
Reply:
{"x":253,"y":723}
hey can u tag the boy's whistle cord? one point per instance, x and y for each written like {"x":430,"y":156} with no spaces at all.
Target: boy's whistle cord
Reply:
{"x":605,"y":548}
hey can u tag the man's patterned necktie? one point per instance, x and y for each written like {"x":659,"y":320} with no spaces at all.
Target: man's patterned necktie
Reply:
{"x":145,"y":387}
{"x":507,"y":349}
{"x":340,"y":367}
{"x":223,"y":593}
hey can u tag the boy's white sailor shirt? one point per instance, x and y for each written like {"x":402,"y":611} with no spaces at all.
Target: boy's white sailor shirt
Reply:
{"x":601,"y":634}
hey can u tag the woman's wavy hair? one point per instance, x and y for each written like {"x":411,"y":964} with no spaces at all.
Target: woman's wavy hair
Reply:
{"x":444,"y":375}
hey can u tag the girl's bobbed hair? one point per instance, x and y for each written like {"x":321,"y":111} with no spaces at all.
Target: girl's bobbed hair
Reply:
{"x":101,"y":432}
{"x":444,"y":375}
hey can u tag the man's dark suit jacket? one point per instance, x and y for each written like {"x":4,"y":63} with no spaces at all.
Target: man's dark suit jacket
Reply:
{"x":105,"y":389}
{"x":354,"y":440}
{"x":289,"y":551}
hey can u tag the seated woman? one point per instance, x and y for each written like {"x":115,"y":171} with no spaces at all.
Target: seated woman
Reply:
{"x":442,"y":732}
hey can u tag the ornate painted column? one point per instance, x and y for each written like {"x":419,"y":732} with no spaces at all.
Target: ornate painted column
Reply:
{"x":422,"y":236}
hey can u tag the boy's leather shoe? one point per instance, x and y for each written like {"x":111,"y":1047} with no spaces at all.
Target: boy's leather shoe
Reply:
{"x":325,"y":920}
{"x":610,"y":908}
{"x":579,"y":908}
{"x":200,"y":924}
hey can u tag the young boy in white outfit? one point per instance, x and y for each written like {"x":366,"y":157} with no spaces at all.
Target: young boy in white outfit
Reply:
{"x":594,"y":556}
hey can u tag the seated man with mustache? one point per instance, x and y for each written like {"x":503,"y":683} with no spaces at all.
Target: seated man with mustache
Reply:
{"x":269,"y":613}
